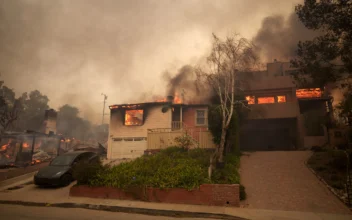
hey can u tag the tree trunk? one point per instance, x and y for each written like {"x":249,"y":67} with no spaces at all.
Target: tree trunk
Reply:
{"x":222,"y":145}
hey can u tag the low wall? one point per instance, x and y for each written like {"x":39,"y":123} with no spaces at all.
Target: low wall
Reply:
{"x":207,"y":194}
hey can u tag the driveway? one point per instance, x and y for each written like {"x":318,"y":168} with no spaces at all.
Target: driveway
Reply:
{"x":279,"y":180}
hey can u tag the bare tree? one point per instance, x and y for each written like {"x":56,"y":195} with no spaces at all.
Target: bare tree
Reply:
{"x":227,"y":58}
{"x":8,"y":114}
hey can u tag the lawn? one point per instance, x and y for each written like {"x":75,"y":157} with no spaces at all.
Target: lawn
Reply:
{"x":331,"y":165}
{"x":173,"y":167}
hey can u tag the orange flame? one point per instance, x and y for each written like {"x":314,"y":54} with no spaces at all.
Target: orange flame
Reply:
{"x":4,"y":147}
{"x":25,"y":145}
{"x":309,"y":93}
{"x":134,"y":117}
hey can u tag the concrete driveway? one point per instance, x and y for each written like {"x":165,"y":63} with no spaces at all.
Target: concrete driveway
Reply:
{"x":279,"y":180}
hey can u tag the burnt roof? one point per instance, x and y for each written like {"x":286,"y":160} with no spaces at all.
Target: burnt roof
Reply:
{"x":136,"y":105}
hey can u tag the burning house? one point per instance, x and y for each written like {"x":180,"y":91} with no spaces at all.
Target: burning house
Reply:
{"x":31,"y":147}
{"x":142,"y":127}
{"x":282,"y":116}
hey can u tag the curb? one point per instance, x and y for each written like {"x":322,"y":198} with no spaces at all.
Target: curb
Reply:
{"x":143,"y":211}
{"x":16,"y":179}
{"x":327,"y":185}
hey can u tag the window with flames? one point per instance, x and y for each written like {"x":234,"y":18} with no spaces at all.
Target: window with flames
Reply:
{"x":134,"y":117}
{"x":266,"y":100}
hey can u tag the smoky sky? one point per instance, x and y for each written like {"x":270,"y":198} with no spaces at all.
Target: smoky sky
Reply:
{"x":279,"y":35}
{"x":72,"y":51}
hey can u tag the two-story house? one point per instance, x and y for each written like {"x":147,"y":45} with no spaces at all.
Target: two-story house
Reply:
{"x":136,"y":129}
{"x":282,"y":116}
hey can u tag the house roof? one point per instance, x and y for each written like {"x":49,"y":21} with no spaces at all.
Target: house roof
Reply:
{"x":136,"y":105}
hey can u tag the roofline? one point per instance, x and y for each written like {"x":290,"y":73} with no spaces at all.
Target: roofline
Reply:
{"x":136,"y":105}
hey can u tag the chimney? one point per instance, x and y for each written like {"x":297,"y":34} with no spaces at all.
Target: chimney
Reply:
{"x":50,"y":121}
{"x":170,"y":98}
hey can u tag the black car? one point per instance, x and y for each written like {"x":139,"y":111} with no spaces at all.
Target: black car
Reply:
{"x":59,"y":172}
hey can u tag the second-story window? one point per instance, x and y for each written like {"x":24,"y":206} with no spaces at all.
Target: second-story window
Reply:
{"x":250,"y":100}
{"x":266,"y":100}
{"x":281,"y":98}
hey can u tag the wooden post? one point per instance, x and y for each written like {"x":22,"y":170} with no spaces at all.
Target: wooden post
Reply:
{"x":33,"y":143}
{"x":181,"y":120}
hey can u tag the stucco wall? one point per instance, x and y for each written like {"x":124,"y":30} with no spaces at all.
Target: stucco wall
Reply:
{"x":155,"y":118}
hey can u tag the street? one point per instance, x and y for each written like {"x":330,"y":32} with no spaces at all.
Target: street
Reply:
{"x":36,"y":213}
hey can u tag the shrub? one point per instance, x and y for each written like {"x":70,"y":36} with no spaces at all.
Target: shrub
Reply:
{"x":185,"y":141}
{"x":229,"y":173}
{"x":170,"y":168}
{"x":84,"y":172}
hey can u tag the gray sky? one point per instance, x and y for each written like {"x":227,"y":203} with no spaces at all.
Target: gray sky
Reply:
{"x":73,"y":50}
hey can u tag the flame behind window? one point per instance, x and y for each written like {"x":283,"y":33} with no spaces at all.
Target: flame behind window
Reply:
{"x":308,"y":93}
{"x":265,"y":100}
{"x":250,"y":100}
{"x":281,"y":98}
{"x":134,"y":117}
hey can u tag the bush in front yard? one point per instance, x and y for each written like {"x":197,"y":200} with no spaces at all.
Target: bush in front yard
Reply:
{"x":229,"y":173}
{"x":173,"y":167}
{"x":84,"y":172}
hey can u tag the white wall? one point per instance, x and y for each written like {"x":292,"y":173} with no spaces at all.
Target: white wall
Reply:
{"x":155,"y":118}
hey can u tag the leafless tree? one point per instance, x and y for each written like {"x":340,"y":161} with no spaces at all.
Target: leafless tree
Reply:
{"x":227,"y":59}
{"x":8,"y":114}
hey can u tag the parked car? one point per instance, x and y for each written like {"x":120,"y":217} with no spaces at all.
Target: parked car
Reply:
{"x":59,"y":172}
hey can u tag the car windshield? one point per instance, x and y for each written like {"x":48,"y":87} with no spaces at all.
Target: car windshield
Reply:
{"x":63,"y":160}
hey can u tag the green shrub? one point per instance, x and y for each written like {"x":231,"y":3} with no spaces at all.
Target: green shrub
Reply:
{"x":229,"y":173}
{"x":185,"y":141}
{"x":84,"y":172}
{"x":170,"y":168}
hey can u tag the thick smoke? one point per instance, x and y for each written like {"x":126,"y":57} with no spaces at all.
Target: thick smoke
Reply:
{"x":82,"y":48}
{"x":278,"y":37}
{"x":184,"y":79}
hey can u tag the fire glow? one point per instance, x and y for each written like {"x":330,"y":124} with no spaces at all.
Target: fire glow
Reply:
{"x":308,"y":93}
{"x":134,"y":117}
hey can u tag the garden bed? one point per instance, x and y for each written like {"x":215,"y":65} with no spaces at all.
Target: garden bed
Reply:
{"x":331,"y":166}
{"x":174,"y":175}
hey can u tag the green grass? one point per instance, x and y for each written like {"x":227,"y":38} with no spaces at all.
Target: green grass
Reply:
{"x":331,"y":165}
{"x":173,"y":167}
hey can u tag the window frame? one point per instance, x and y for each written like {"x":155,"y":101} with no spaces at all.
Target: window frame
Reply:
{"x":205,"y":117}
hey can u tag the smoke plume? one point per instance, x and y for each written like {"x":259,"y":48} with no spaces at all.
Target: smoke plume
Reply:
{"x":278,"y":37}
{"x":82,"y":48}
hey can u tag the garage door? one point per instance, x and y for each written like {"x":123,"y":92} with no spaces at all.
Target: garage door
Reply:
{"x":128,"y":147}
{"x":265,"y":139}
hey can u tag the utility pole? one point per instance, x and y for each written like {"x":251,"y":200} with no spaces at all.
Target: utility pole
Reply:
{"x":105,"y":98}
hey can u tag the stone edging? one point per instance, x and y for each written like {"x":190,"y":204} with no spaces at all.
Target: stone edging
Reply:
{"x":331,"y":189}
{"x":143,"y":211}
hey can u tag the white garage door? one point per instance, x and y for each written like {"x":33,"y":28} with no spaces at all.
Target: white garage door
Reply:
{"x":128,"y":147}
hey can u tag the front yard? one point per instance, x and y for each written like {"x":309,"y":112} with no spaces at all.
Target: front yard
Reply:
{"x":173,"y":167}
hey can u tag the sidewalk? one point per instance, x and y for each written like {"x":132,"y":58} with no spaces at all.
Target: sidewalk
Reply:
{"x":59,"y":197}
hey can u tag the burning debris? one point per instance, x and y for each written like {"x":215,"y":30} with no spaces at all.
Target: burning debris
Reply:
{"x":28,"y":148}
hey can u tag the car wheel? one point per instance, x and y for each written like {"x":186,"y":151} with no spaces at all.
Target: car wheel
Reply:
{"x":66,"y":179}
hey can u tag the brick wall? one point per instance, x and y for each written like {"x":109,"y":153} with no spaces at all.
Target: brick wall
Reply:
{"x":207,"y":194}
